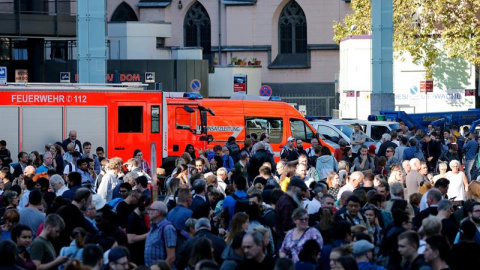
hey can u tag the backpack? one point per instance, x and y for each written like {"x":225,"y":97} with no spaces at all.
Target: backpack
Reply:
{"x":234,"y":151}
{"x":182,"y":237}
{"x":242,"y":204}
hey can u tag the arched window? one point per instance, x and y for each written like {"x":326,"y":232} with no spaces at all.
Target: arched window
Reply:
{"x":124,"y":13}
{"x":197,"y":29}
{"x":292,"y":27}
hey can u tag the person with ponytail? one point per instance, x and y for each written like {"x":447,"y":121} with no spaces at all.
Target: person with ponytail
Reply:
{"x":75,"y":250}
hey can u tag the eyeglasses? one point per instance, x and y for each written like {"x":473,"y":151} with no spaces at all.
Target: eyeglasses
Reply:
{"x":303,"y":219}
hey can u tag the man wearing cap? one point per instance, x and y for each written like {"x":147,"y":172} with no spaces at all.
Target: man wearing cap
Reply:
{"x":357,"y":138}
{"x":339,"y":151}
{"x":363,"y":253}
{"x":289,"y":152}
{"x":118,"y":259}
{"x":289,"y":201}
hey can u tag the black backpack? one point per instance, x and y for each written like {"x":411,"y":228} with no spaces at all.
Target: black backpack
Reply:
{"x":241,"y":204}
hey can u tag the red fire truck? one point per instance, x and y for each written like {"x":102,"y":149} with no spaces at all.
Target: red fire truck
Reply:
{"x":122,"y":118}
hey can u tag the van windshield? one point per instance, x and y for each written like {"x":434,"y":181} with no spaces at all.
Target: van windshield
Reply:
{"x":394,"y":126}
{"x":345,"y":129}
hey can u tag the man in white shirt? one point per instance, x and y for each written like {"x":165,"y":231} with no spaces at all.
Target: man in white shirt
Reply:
{"x":355,"y":180}
{"x":58,"y":184}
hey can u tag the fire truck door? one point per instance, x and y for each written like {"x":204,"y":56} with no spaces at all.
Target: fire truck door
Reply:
{"x":130,"y":129}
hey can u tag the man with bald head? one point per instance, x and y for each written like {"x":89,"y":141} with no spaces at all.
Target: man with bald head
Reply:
{"x":162,"y":238}
{"x":72,"y":138}
{"x":29,"y":171}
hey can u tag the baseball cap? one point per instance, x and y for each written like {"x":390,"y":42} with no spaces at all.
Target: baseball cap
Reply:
{"x":342,"y":142}
{"x":98,"y":201}
{"x":295,"y":181}
{"x":362,"y":246}
{"x":371,"y":149}
{"x":291,"y":139}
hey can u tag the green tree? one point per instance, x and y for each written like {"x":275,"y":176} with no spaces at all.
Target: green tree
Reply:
{"x":422,"y":28}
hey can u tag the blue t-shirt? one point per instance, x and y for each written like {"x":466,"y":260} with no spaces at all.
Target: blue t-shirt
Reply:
{"x":229,"y":203}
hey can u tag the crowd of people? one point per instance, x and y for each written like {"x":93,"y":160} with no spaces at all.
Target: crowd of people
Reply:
{"x":411,"y":201}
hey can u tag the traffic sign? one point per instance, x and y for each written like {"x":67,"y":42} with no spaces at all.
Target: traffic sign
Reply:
{"x":149,"y":77}
{"x":265,"y":91}
{"x":3,"y":75}
{"x":195,"y":85}
{"x":64,"y":77}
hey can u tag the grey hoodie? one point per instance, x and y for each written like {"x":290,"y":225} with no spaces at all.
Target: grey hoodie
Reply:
{"x":230,"y":259}
{"x":325,"y":165}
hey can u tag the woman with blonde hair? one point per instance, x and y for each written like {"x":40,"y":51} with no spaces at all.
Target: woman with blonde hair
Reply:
{"x":288,"y":172}
{"x":396,"y":175}
{"x":332,"y":182}
{"x":442,"y":167}
{"x":239,"y":223}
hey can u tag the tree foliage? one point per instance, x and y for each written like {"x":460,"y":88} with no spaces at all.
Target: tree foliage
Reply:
{"x":424,"y":29}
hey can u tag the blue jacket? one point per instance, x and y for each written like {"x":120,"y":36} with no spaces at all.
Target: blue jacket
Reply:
{"x":470,"y":149}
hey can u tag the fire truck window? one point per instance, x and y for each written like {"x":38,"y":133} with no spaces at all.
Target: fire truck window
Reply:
{"x":155,"y":119}
{"x":186,"y":120}
{"x":300,"y":130}
{"x":271,"y":126}
{"x":130,"y":119}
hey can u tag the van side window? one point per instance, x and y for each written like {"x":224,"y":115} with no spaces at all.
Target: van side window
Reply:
{"x":300,"y":130}
{"x":186,"y":120}
{"x":130,"y":119}
{"x":155,"y":112}
{"x":271,"y":126}
{"x":376,"y":132}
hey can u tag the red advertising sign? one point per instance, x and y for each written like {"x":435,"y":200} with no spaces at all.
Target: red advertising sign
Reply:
{"x":240,"y":83}
{"x":426,"y":86}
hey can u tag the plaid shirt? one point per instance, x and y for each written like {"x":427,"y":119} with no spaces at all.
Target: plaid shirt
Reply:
{"x":283,"y":214}
{"x":161,"y":235}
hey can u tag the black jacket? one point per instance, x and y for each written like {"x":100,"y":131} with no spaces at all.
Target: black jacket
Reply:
{"x":187,"y":247}
{"x":256,"y":162}
{"x":200,"y":207}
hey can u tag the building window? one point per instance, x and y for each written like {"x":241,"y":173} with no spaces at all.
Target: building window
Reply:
{"x":124,"y":13}
{"x":19,"y":50}
{"x":160,"y":42}
{"x":5,"y":49}
{"x":59,"y":50}
{"x":292,"y":29}
{"x":197,"y":29}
